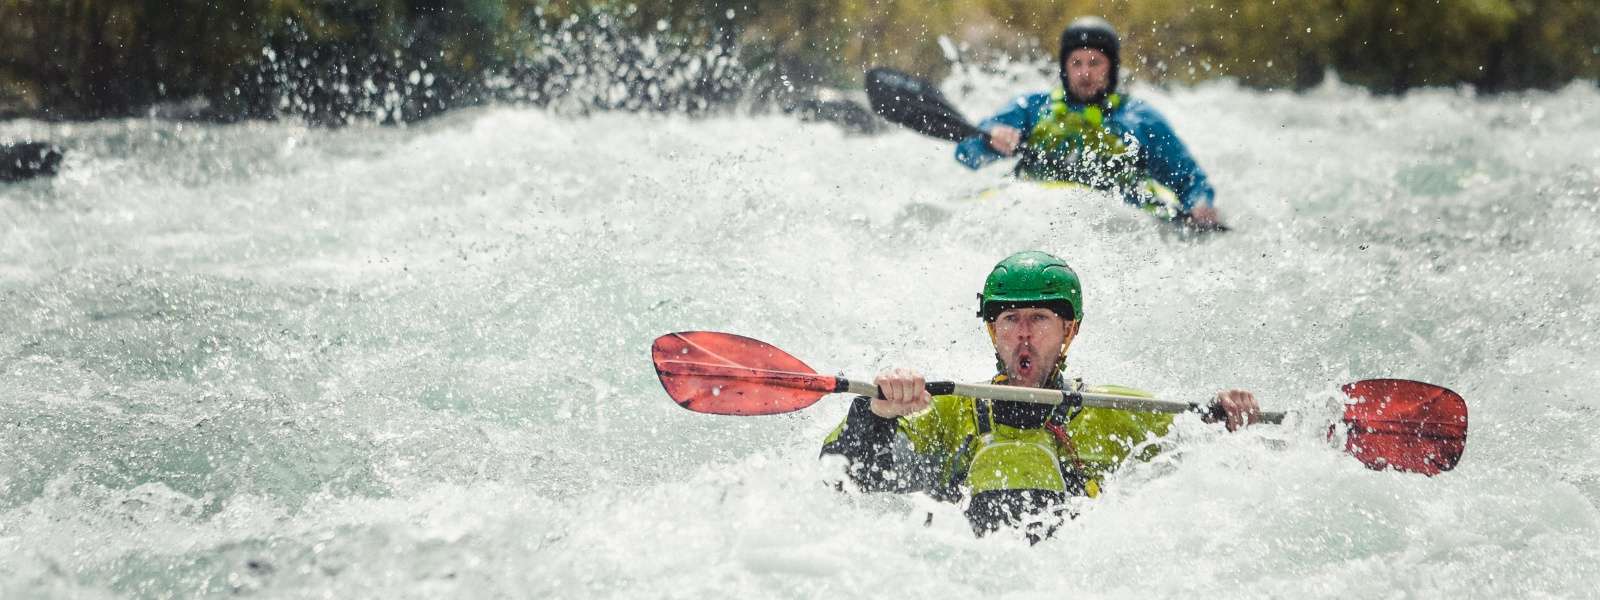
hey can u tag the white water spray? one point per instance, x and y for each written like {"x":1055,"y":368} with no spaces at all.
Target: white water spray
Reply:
{"x":377,"y":362}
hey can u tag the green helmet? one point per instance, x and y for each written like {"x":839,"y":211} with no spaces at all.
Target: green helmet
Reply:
{"x":1031,"y":278}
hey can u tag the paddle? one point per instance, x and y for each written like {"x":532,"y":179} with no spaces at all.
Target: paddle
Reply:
{"x":917,"y":104}
{"x":1391,"y":423}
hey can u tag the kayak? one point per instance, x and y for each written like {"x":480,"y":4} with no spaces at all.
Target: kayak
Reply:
{"x":1156,"y":200}
{"x":26,"y":160}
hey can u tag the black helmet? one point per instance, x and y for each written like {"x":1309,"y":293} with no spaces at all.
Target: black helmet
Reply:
{"x":1091,"y":32}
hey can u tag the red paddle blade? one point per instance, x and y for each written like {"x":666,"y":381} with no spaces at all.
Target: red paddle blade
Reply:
{"x":1405,"y":425}
{"x":727,"y":374}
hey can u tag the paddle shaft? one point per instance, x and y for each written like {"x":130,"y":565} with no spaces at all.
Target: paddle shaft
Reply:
{"x":1042,"y":396}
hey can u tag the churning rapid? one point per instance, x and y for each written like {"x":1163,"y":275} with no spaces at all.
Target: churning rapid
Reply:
{"x":267,"y":358}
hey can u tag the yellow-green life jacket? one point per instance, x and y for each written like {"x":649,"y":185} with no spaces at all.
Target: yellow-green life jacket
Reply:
{"x":1075,"y":144}
{"x":950,"y":436}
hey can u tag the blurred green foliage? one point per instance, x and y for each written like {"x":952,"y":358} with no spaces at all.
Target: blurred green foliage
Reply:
{"x":89,"y":58}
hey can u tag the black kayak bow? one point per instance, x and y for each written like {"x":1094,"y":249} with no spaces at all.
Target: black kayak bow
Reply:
{"x":26,"y":160}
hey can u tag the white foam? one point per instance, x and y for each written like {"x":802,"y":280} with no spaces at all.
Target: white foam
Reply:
{"x":413,"y":361}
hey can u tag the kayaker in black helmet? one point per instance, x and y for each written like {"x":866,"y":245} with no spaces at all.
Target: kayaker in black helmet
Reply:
{"x":1089,"y":133}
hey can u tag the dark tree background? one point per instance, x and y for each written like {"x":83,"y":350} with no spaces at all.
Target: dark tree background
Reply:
{"x":395,"y":60}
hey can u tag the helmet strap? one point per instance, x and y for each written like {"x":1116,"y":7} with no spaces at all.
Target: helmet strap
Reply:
{"x":999,"y":363}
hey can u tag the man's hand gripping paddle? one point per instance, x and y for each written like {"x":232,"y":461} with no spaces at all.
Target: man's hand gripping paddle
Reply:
{"x":1391,"y":423}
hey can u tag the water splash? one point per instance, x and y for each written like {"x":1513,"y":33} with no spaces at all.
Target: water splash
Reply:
{"x":263,"y":358}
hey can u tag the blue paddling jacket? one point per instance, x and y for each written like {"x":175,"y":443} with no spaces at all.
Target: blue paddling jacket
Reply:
{"x":1108,"y":146}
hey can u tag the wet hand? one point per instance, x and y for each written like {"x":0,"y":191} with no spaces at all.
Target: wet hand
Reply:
{"x":1005,"y":139}
{"x":904,"y":392}
{"x":1204,"y":216}
{"x":1239,"y":406}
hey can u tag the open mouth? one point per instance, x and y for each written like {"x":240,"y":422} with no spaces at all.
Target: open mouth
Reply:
{"x":1024,"y":362}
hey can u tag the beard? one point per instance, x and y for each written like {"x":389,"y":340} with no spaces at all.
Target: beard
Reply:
{"x":1085,"y":92}
{"x":1026,"y":366}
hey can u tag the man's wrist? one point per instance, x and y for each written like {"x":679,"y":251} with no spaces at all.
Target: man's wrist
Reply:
{"x":862,"y":408}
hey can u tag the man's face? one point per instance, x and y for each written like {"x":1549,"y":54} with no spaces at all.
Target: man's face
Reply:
{"x":1088,"y":73}
{"x":1029,"y":341}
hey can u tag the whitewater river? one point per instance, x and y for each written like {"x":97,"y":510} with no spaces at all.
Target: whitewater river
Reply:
{"x":285,"y":361}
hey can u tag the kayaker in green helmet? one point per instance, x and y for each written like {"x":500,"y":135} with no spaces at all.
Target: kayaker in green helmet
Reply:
{"x":1089,"y":133}
{"x":1013,"y":463}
